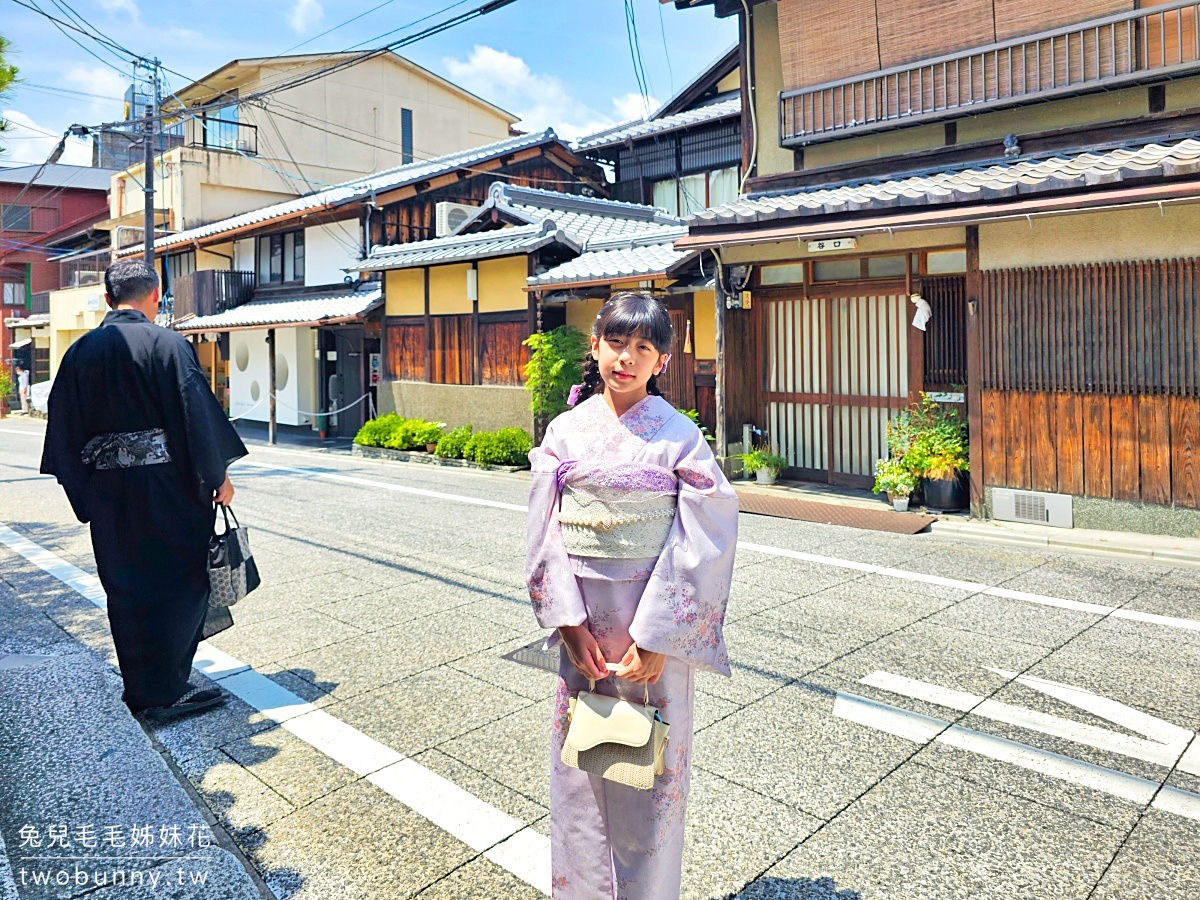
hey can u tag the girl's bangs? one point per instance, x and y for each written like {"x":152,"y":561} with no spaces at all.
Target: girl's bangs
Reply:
{"x":639,"y":321}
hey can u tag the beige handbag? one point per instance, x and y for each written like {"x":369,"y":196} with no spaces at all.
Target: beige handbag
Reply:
{"x":615,"y":739}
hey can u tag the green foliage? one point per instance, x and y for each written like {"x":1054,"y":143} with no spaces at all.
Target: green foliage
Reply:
{"x":396,"y":433}
{"x":762,"y":458}
{"x":506,"y":447}
{"x":694,"y":415}
{"x":6,"y":384}
{"x":8,"y":76}
{"x":554,"y":367}
{"x":893,"y":477}
{"x":451,"y":444}
{"x":930,"y":440}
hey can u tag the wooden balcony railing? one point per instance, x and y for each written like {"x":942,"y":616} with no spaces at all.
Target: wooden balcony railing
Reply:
{"x":1142,"y":45}
{"x":210,"y":291}
{"x":39,"y":303}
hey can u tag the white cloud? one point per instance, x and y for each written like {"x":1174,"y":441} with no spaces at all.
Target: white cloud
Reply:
{"x":103,"y":81}
{"x":125,"y":6}
{"x":26,"y":142}
{"x":539,"y":100}
{"x":306,"y":15}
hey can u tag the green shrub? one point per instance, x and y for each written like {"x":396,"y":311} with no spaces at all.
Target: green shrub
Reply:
{"x":376,"y":431}
{"x":555,"y":365}
{"x":506,"y":447}
{"x":428,"y":433}
{"x":452,"y":443}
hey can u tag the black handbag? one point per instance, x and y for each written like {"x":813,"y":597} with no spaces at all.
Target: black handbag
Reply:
{"x":232,"y":573}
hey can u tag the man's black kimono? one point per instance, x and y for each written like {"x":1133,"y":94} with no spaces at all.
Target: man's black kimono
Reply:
{"x":150,"y":522}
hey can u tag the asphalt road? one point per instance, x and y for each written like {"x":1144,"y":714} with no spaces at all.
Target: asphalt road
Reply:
{"x":909,"y":717}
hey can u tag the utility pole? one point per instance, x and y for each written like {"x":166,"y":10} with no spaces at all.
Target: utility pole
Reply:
{"x":148,"y":176}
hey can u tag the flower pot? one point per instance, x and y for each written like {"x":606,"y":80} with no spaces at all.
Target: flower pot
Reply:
{"x":947,"y":494}
{"x":900,"y":504}
{"x":765,"y":476}
{"x":429,"y":448}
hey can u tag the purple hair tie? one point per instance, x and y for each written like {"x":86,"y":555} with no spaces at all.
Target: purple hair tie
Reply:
{"x":573,"y":397}
{"x":664,"y":365}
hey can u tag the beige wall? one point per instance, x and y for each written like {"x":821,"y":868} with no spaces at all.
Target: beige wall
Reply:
{"x":502,"y":284}
{"x":298,"y":153}
{"x":767,"y":83}
{"x":448,"y":290}
{"x":404,"y":292}
{"x":219,"y":257}
{"x":704,"y":326}
{"x":581,"y":314}
{"x":1144,"y":233}
{"x":485,"y":407}
{"x":882,"y":242}
{"x":73,"y":313}
{"x":730,"y":82}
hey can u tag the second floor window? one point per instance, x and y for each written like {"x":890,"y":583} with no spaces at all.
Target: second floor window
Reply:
{"x":14,"y":293}
{"x":687,"y":194}
{"x":281,"y":258}
{"x":406,"y":136}
{"x":15,"y":218}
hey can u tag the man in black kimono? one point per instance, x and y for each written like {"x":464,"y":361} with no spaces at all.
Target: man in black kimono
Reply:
{"x":141,"y":446}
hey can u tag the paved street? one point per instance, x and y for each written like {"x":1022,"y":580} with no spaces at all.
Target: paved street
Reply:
{"x":909,"y":717}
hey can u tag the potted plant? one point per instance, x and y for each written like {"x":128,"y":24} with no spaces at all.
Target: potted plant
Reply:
{"x":6,"y":386}
{"x":932,"y":443}
{"x":764,"y":465}
{"x":894,"y":478}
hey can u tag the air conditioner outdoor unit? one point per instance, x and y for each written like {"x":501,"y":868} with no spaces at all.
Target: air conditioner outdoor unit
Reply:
{"x":1034,"y":507}
{"x":243,"y":145}
{"x":451,"y":216}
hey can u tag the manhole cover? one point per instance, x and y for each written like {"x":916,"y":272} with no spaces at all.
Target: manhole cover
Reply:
{"x":533,"y":655}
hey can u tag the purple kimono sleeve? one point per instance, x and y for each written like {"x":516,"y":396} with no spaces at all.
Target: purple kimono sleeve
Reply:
{"x":682,"y":609}
{"x":553,"y":589}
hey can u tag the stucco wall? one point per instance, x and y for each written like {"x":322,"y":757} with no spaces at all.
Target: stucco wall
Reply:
{"x":327,"y":248}
{"x":1145,"y":233}
{"x":485,"y":407}
{"x":73,"y":313}
{"x":249,"y":375}
{"x":867,"y":243}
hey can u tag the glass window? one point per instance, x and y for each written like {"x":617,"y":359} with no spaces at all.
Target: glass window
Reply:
{"x":181,"y":264}
{"x":886,"y":266}
{"x":837,"y":270}
{"x":406,"y":136}
{"x":792,"y":273}
{"x":693,"y":190}
{"x":276,"y":258}
{"x":722,"y":186}
{"x":666,"y":196}
{"x":946,"y":262}
{"x":264,"y":260}
{"x":15,"y":218}
{"x":289,"y":257}
{"x":14,"y":293}
{"x":298,"y":257}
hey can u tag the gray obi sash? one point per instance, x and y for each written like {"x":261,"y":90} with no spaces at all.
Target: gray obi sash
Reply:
{"x":616,"y":511}
{"x":126,"y":449}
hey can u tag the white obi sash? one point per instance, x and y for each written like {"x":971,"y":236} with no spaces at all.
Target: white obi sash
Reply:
{"x":616,"y":511}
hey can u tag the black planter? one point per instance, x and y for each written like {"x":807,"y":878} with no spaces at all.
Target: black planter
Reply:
{"x":947,"y":494}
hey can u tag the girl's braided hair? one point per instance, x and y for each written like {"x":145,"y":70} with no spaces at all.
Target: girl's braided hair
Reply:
{"x":628,"y":314}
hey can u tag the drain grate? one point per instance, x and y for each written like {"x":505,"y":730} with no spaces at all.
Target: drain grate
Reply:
{"x":534,"y":656}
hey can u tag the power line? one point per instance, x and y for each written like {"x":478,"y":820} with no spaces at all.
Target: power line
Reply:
{"x":101,"y":39}
{"x":339,"y":26}
{"x":74,"y":40}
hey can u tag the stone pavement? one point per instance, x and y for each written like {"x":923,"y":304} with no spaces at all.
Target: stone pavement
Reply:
{"x":909,"y":717}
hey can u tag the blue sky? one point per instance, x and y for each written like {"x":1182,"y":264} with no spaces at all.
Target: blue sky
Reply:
{"x":564,"y":63}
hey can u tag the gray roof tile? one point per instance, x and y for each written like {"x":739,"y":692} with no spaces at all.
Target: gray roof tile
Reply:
{"x":637,"y":128}
{"x":293,"y":310}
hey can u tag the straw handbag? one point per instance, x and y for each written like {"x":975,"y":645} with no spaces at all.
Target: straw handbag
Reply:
{"x":615,"y":739}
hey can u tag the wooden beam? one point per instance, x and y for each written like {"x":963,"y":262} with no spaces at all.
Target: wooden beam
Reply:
{"x":428,"y":332}
{"x":271,"y":385}
{"x":476,"y":350}
{"x":975,"y":423}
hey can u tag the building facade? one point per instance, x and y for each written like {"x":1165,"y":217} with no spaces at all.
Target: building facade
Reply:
{"x":1029,"y":171}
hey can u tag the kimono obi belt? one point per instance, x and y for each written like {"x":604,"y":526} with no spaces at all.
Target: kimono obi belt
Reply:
{"x":615,"y":511}
{"x":126,"y":449}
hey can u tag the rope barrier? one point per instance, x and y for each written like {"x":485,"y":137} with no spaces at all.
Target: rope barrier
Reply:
{"x":332,"y":412}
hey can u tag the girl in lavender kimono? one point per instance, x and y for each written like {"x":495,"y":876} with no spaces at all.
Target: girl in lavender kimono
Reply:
{"x":655,"y":611}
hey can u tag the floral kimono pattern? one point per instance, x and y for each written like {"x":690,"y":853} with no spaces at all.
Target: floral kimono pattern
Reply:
{"x":609,"y":841}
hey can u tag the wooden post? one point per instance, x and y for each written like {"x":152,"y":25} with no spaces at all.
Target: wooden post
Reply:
{"x":476,"y":350}
{"x":428,"y":329}
{"x":271,"y":385}
{"x":975,"y":422}
{"x":719,"y":390}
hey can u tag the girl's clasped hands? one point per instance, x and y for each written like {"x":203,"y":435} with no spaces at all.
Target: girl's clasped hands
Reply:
{"x":638,"y":665}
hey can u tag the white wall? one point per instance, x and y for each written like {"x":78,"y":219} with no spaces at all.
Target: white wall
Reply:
{"x":249,"y":375}
{"x":243,"y":255}
{"x":329,"y":248}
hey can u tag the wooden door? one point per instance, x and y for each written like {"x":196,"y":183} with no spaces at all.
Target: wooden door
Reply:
{"x":678,"y":382}
{"x":838,"y":370}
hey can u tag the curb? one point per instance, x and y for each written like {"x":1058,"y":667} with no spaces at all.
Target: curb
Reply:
{"x":419,"y":456}
{"x":1114,"y":549}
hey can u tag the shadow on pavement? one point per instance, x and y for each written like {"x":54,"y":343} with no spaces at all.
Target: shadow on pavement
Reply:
{"x":823,"y":888}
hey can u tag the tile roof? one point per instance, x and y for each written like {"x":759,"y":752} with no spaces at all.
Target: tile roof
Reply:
{"x":637,"y":128}
{"x":359,"y":189}
{"x":61,"y":176}
{"x":541,"y":216}
{"x":610,"y":260}
{"x":291,"y":311}
{"x":1000,"y":181}
{"x":458,"y":247}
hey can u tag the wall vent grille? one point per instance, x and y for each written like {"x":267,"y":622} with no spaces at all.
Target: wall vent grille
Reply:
{"x":1033,"y":507}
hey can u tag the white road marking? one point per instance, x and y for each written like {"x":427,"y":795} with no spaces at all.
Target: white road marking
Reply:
{"x":506,"y":841}
{"x":973,"y":587}
{"x":24,"y":432}
{"x":1153,"y":751}
{"x":921,"y":729}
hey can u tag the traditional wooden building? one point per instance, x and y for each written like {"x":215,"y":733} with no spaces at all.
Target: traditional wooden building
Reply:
{"x":274,"y":282}
{"x":457,"y":308}
{"x":1029,"y":170}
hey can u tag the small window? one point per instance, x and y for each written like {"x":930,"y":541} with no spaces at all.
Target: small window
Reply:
{"x":693,"y":190}
{"x":837,"y":270}
{"x":791,"y":273}
{"x":666,"y":196}
{"x":14,"y":293}
{"x":276,"y":258}
{"x":281,"y":258}
{"x":946,"y":262}
{"x":406,"y":136}
{"x":886,"y":266}
{"x":15,"y":218}
{"x":722,"y":186}
{"x":181,"y":264}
